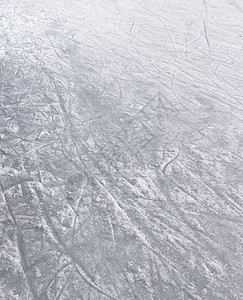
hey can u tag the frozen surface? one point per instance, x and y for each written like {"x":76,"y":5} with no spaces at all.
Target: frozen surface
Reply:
{"x":121,"y":146}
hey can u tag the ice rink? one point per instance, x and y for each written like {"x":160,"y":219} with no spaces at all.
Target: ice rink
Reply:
{"x":121,"y":148}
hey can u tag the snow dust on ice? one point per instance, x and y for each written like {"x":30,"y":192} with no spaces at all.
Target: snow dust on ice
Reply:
{"x":121,"y":146}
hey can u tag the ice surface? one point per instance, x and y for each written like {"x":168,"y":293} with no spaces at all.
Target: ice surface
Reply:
{"x":121,"y":146}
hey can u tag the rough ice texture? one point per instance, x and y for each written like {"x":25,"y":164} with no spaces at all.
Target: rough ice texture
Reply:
{"x":121,"y":149}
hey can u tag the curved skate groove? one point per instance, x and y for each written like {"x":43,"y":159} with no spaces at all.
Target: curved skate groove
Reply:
{"x":121,"y":149}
